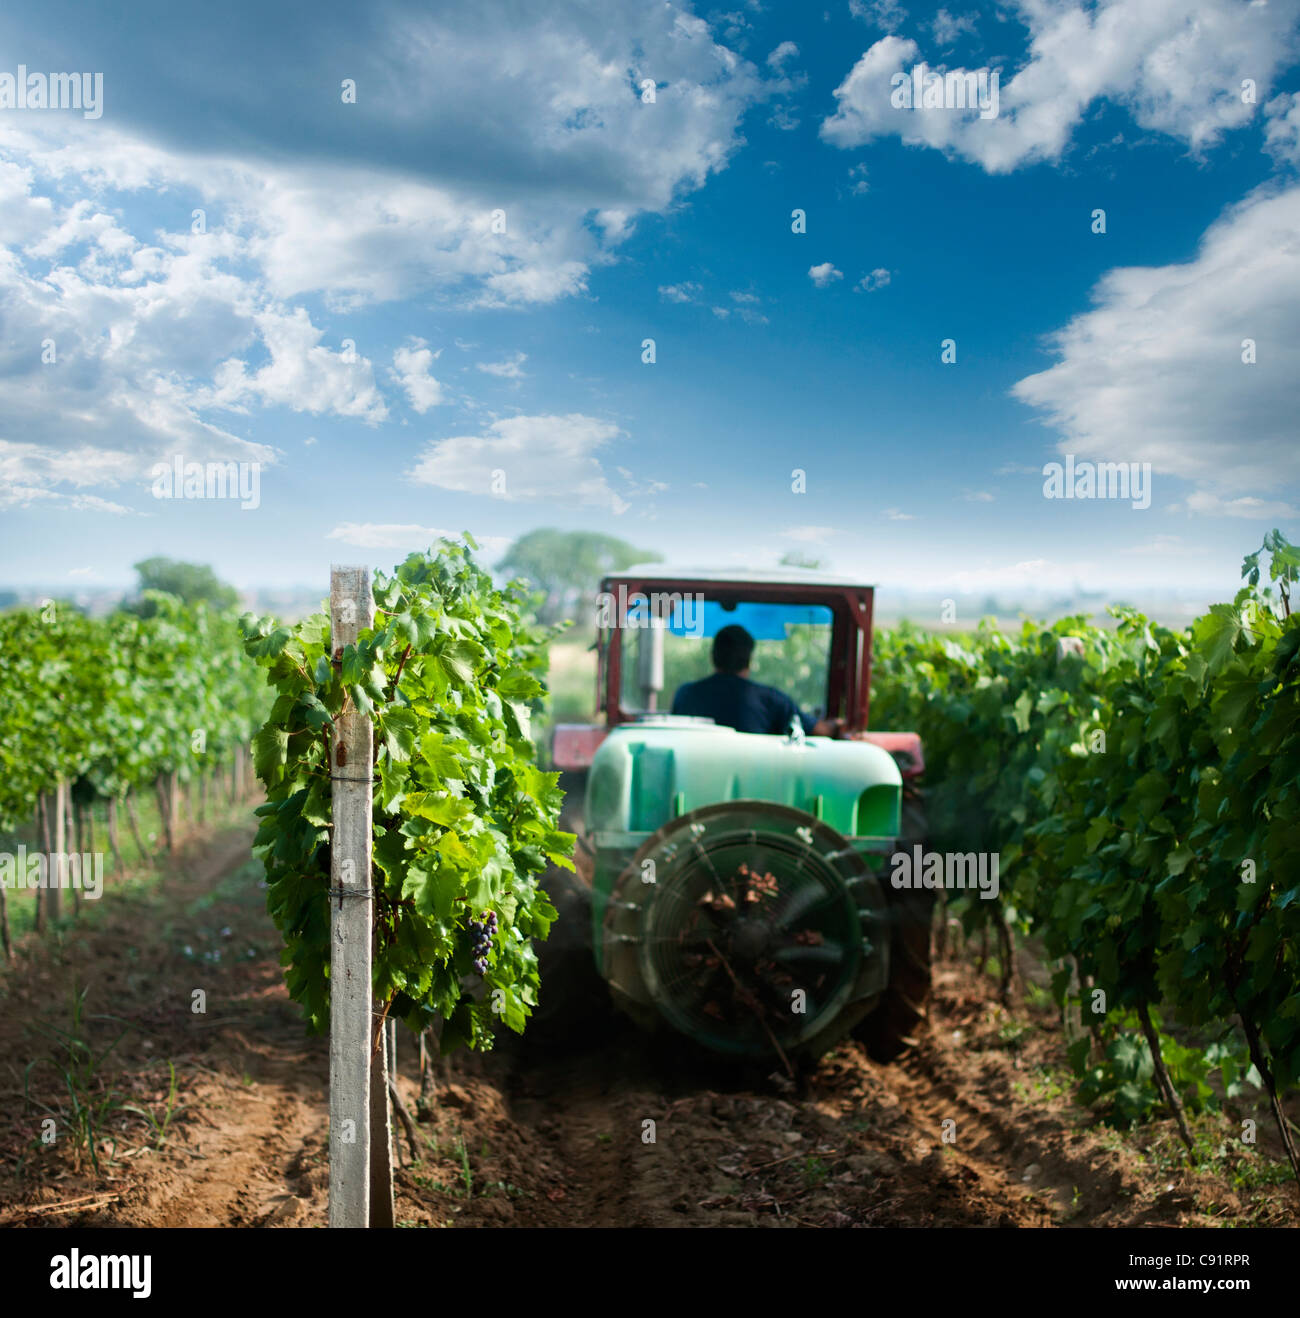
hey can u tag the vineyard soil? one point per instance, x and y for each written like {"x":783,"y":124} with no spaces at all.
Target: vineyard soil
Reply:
{"x":539,"y":1135}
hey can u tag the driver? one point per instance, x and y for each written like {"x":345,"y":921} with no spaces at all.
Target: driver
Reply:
{"x":731,"y":698}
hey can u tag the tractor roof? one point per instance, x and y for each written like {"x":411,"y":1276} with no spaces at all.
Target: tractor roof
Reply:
{"x":775,"y":576}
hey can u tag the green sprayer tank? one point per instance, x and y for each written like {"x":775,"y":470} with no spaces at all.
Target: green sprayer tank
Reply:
{"x":737,"y":893}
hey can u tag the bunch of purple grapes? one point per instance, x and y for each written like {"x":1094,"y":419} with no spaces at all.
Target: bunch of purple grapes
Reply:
{"x":482,"y":935}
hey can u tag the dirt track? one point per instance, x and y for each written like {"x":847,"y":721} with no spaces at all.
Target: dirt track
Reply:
{"x":545,"y":1133}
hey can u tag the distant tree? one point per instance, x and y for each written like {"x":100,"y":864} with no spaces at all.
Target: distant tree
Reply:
{"x":795,"y":558}
{"x":566,"y":566}
{"x":191,"y":582}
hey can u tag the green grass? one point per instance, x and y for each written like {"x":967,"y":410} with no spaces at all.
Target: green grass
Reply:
{"x":1012,"y":1032}
{"x":159,"y":1125}
{"x":815,"y":1172}
{"x":88,"y":1101}
{"x":466,"y":1174}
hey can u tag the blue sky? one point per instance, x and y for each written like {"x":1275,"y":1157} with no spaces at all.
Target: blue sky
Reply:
{"x":520,"y":352}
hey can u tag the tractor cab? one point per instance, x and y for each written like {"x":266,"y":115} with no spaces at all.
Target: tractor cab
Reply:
{"x":812,"y":633}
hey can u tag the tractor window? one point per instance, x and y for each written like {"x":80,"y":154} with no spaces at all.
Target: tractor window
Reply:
{"x":791,"y":652}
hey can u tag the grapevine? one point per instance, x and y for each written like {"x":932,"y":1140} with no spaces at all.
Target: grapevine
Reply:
{"x":1144,"y":800}
{"x":463,"y":819}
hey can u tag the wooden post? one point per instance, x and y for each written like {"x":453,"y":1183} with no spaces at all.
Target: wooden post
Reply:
{"x":74,"y":841}
{"x":134,"y":820}
{"x":165,"y":790}
{"x":351,"y":919}
{"x":54,"y":893}
{"x":173,"y":809}
{"x":383,"y":1209}
{"x":114,"y":842}
{"x":43,"y":834}
{"x":4,"y":923}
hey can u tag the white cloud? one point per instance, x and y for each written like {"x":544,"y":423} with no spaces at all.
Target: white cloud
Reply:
{"x":389,"y":535}
{"x":684,"y":292}
{"x":824,"y":274}
{"x":1282,"y":131}
{"x":1176,"y":69}
{"x":1154,"y":372}
{"x":24,"y":215}
{"x":1040,"y":573}
{"x":858,"y":184}
{"x":636,"y":488}
{"x":1212,"y":505}
{"x":878,"y":278}
{"x":33,"y":474}
{"x":947,"y":27}
{"x":1160,"y":545}
{"x":407,"y":536}
{"x":896,"y":515}
{"x":887,"y":15}
{"x":480,"y":184}
{"x":746,"y":308}
{"x":538,"y":457}
{"x":412,"y":371}
{"x":126,"y":338}
{"x":786,"y":51}
{"x":505,"y":370}
{"x":809,"y":535}
{"x":533,"y":283}
{"x":615,"y":224}
{"x":735,"y":26}
{"x":978,"y":496}
{"x":302,"y":374}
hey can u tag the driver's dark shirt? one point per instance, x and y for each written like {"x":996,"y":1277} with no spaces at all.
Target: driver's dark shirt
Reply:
{"x":736,"y":702}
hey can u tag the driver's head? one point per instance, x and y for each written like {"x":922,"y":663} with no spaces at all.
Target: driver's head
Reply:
{"x":733,"y":647}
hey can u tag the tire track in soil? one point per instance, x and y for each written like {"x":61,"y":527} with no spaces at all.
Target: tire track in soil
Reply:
{"x":577,"y":1118}
{"x":730,"y":1148}
{"x":859,"y":1144}
{"x":1039,"y":1154}
{"x":1012,"y":1148}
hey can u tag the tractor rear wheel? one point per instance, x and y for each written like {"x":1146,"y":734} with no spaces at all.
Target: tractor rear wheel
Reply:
{"x":895,"y":1024}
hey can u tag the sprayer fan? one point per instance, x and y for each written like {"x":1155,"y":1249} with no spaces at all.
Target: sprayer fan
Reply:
{"x":750,"y":936}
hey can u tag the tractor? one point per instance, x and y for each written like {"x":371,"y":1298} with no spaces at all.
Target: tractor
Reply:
{"x":731,"y":886}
